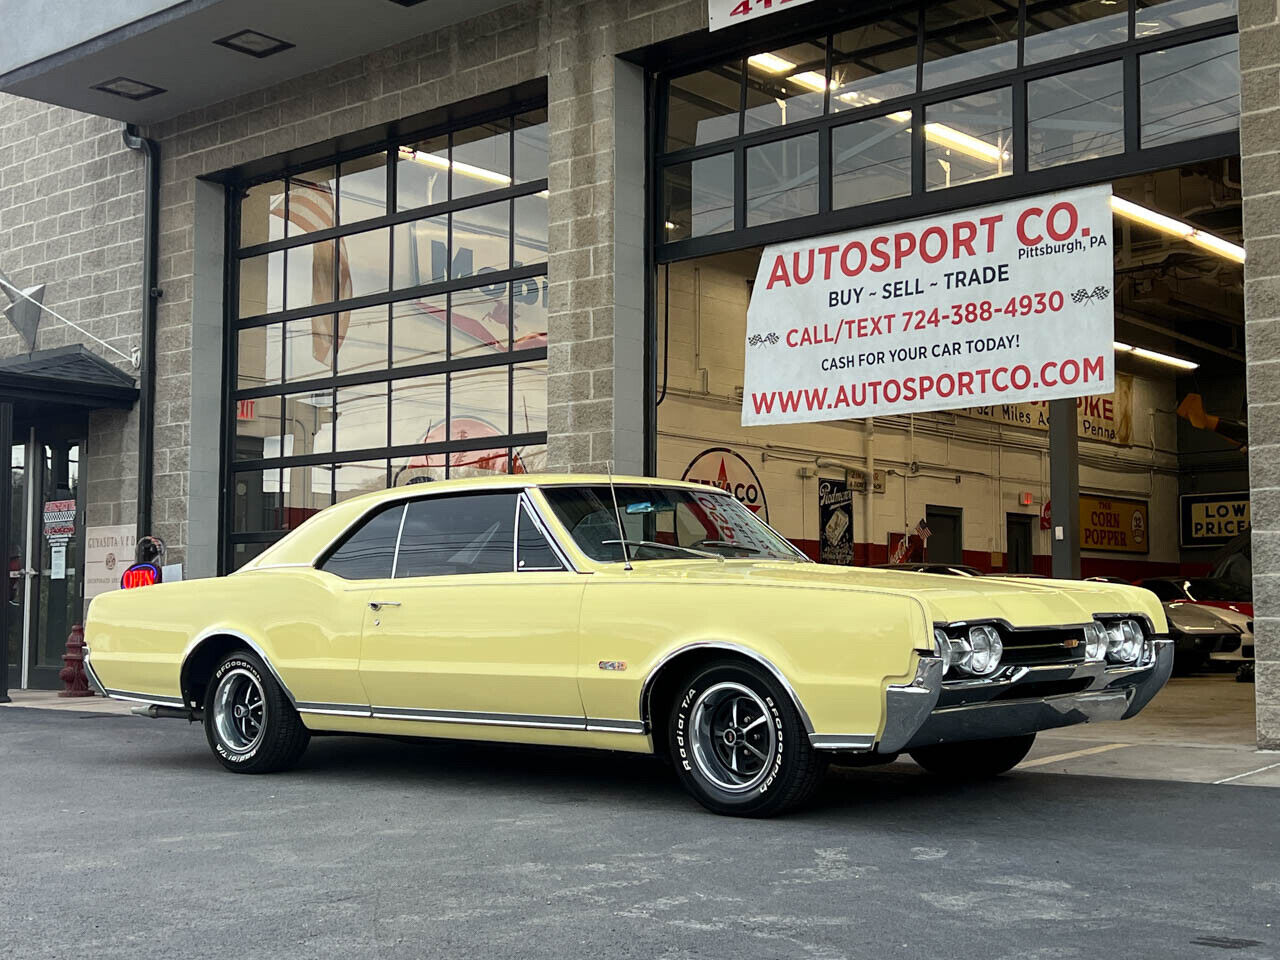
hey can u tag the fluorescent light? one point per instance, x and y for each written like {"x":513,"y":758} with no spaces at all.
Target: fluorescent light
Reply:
{"x":466,"y":169}
{"x":670,"y":225}
{"x":956,"y":140}
{"x":1156,"y":356}
{"x":1177,"y":228}
{"x":771,"y":63}
{"x":811,"y":79}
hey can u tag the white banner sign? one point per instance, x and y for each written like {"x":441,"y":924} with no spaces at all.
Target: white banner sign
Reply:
{"x":997,"y":305}
{"x":726,"y":13}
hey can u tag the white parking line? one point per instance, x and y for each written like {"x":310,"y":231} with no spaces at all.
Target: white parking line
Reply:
{"x":1086,"y":752}
{"x":1270,"y":766}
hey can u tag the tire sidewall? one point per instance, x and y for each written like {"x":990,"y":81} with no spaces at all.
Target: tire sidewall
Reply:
{"x":781,"y":716}
{"x":231,"y":758}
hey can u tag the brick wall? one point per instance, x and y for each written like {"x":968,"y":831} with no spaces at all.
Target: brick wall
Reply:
{"x":1260,"y":153}
{"x":71,"y":201}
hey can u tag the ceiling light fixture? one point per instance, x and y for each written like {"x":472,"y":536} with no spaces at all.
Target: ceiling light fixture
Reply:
{"x":129,"y":89}
{"x":1156,"y":356}
{"x":408,"y":3}
{"x":254,"y":44}
{"x":466,"y":169}
{"x":940,"y":133}
{"x":1177,"y":228}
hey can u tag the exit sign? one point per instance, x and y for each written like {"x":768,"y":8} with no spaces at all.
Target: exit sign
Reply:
{"x":726,"y":13}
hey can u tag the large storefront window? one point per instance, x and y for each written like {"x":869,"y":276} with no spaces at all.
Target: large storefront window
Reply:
{"x":390,"y":324}
{"x":932,"y":106}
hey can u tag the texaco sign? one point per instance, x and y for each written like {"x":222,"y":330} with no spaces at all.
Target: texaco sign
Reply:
{"x":728,"y":470}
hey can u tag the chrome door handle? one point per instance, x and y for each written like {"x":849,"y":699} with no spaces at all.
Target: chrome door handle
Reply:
{"x":379,"y":604}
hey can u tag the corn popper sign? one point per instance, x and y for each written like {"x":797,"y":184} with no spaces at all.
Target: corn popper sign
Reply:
{"x":1002,"y":304}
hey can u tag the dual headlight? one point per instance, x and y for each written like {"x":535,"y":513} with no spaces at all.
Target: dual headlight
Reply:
{"x":1116,"y":641}
{"x":977,"y":653}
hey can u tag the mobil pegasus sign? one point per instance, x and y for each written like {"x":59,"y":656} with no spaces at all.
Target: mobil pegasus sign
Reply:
{"x":1004,"y":304}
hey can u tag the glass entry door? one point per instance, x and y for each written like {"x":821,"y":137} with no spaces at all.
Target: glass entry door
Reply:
{"x":46,"y":565}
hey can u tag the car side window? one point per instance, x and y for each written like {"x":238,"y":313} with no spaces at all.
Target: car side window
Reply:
{"x":466,"y":534}
{"x":533,"y":552}
{"x":369,"y":552}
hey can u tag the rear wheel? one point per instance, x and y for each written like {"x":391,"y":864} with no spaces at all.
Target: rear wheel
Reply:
{"x":249,"y":722}
{"x":738,"y":743}
{"x":974,"y":759}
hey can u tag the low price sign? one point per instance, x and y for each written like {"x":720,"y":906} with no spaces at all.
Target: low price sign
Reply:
{"x":1003,"y":304}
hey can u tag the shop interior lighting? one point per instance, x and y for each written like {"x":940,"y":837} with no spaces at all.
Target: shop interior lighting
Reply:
{"x":465,"y":169}
{"x":1156,"y":356}
{"x":939,"y":133}
{"x":1177,"y":228}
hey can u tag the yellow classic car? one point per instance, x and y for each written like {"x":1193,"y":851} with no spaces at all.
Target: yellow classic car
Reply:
{"x":629,"y":614}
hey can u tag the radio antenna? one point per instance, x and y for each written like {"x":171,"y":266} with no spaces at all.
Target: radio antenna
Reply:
{"x":617,"y":515}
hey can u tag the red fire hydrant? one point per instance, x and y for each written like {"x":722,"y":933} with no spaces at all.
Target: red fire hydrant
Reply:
{"x":73,"y":677}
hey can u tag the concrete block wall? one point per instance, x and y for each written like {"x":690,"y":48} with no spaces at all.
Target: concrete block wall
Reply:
{"x":574,"y":45}
{"x":1260,"y":159}
{"x":71,"y":203}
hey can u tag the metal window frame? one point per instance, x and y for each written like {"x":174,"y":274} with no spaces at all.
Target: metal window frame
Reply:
{"x":508,"y":360}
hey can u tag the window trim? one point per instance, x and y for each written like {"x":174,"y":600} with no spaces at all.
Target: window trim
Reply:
{"x":525,"y":507}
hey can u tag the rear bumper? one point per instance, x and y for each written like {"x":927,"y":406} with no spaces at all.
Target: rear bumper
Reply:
{"x":929,"y":712}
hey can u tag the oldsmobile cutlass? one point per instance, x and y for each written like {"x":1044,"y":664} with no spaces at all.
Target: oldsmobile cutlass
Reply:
{"x":634,"y":615}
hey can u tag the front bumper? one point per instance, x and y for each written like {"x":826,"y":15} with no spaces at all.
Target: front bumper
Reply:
{"x":1017,"y":701}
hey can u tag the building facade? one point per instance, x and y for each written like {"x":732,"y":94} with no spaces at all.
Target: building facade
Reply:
{"x":453,"y":239}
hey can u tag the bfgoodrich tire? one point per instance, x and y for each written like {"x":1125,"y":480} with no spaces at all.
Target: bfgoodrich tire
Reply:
{"x":249,"y":722}
{"x":738,"y":744}
{"x":974,"y":759}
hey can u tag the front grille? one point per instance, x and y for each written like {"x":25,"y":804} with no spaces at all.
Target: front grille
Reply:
{"x":1048,"y":646}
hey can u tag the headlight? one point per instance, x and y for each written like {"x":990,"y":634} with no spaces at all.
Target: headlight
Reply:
{"x":1124,"y":641}
{"x":943,"y":643}
{"x":1095,"y":641}
{"x":983,"y":653}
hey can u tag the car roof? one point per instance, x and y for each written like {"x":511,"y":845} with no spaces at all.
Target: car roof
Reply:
{"x":521,"y":481}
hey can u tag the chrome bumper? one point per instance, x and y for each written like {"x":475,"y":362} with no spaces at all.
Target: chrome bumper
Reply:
{"x":94,"y":683}
{"x":929,"y":711}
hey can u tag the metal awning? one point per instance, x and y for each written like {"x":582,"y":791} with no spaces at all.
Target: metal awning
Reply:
{"x":164,"y":59}
{"x":64,"y":377}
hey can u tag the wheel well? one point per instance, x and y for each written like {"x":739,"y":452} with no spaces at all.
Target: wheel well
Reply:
{"x":665,"y":686}
{"x":199,"y":666}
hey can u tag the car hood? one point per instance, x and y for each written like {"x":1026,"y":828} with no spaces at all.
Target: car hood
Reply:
{"x":947,"y":599}
{"x":1202,"y":618}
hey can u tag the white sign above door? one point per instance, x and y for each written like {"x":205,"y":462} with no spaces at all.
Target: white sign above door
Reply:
{"x":727,"y":13}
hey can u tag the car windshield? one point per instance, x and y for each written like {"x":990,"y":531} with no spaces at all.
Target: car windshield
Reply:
{"x":664,"y":523}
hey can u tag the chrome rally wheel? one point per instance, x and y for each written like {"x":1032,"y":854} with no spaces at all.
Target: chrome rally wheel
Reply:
{"x":250,"y":724}
{"x":734,"y":743}
{"x":738,"y":743}
{"x":240,"y":711}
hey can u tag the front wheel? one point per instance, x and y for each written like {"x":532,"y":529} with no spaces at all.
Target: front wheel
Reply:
{"x":249,"y":722}
{"x":974,"y":759}
{"x":738,"y":743}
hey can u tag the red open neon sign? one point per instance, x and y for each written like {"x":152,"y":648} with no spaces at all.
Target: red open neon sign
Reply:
{"x":140,"y":575}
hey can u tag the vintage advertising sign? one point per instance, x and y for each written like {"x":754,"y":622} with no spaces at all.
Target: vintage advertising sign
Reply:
{"x":1107,"y":418}
{"x":726,"y":13}
{"x":1212,"y":519}
{"x":1003,"y":304}
{"x":835,"y":522}
{"x":1113,"y":525}
{"x":729,"y":470}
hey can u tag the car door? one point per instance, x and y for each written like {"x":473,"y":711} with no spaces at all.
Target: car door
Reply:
{"x":479,"y":620}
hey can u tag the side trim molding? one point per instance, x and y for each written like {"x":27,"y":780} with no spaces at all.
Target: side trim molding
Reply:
{"x":247,"y":641}
{"x":842,"y":741}
{"x":646,"y":690}
{"x":145,"y":698}
{"x":474,"y":718}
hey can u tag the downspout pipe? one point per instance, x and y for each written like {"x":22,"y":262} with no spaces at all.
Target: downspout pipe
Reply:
{"x":150,"y":300}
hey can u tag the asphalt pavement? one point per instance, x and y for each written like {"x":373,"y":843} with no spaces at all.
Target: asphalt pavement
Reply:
{"x":122,"y":838}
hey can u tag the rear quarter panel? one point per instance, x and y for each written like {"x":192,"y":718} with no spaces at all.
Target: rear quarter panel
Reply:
{"x":837,"y":647}
{"x":305,"y":622}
